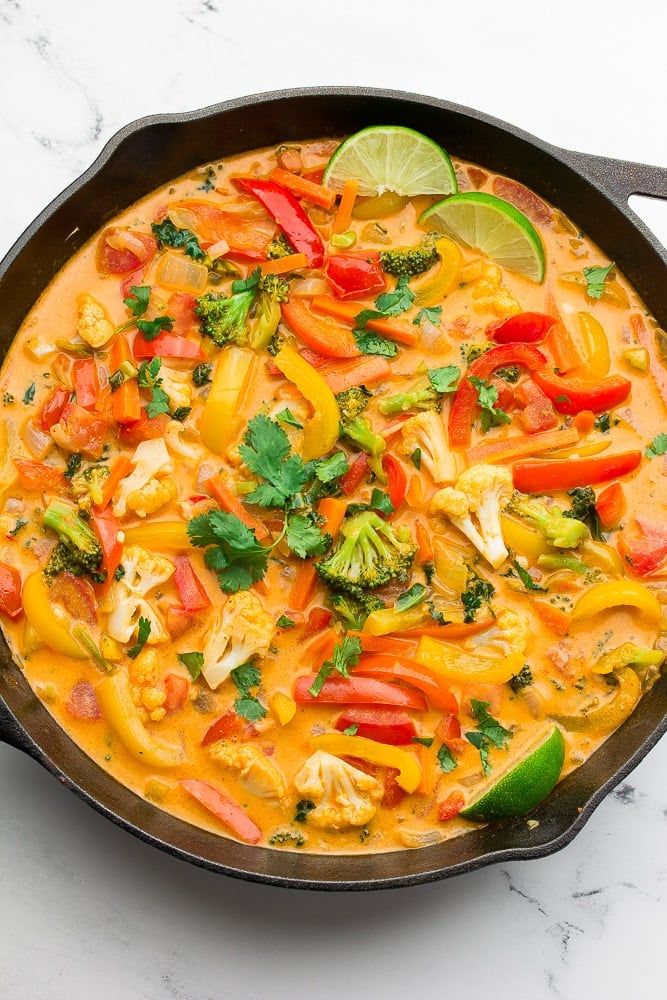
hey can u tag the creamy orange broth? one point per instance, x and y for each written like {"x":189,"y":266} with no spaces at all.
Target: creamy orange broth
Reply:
{"x":560,"y":653}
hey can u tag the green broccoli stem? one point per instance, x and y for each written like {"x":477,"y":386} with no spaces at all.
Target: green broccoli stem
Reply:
{"x":558,"y":529}
{"x":422,"y":397}
{"x":361,"y":433}
{"x":74,"y":533}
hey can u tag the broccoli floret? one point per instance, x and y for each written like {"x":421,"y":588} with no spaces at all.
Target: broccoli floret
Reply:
{"x":201,"y":373}
{"x":584,"y":509}
{"x":88,"y":486}
{"x":78,"y":551}
{"x":353,"y":610}
{"x":523,"y":679}
{"x":370,"y":554}
{"x":362,"y":434}
{"x":410,"y":260}
{"x":273,"y":289}
{"x":225,"y":319}
{"x":352,"y":402}
{"x":561,"y":529}
{"x":477,"y":593}
{"x":421,"y":397}
{"x":279,"y":247}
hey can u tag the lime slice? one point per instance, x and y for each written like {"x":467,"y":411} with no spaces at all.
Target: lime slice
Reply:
{"x":493,"y":226}
{"x":524,"y":785}
{"x":391,"y":158}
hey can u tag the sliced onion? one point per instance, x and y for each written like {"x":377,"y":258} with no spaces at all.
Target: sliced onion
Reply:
{"x":124,"y":239}
{"x":179,"y":273}
{"x":37,"y":441}
{"x":420,"y":838}
{"x":308,"y":287}
{"x":218,"y":249}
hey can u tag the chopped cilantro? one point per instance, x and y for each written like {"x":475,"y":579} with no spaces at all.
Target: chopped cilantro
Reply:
{"x":29,"y":394}
{"x":595,"y":279}
{"x":446,"y":759}
{"x":525,"y":577}
{"x":266,"y":451}
{"x":444,"y":379}
{"x":346,"y":654}
{"x":143,"y":633}
{"x":487,"y":398}
{"x":246,"y":677}
{"x":658,"y":446}
{"x":411,"y":598}
{"x":287,"y":417}
{"x":232,"y":549}
{"x":193,"y":662}
{"x":285,"y":622}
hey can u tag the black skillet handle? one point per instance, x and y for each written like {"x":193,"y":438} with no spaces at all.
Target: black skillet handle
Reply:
{"x":622,"y":178}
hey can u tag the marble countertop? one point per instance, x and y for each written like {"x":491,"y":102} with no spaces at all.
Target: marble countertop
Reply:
{"x":87,"y":909}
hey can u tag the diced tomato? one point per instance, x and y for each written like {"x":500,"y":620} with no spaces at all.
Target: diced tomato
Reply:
{"x":81,"y":431}
{"x":357,"y":691}
{"x":228,"y":726}
{"x":318,"y":619}
{"x":86,"y":382}
{"x":190,"y":588}
{"x":121,"y":250}
{"x":181,"y":308}
{"x":383,"y":725}
{"x":82,"y":702}
{"x":451,"y":806}
{"x":107,"y":528}
{"x":176,"y":688}
{"x":538,"y":413}
{"x":643,"y":547}
{"x":610,"y":506}
{"x":39,"y":476}
{"x":53,"y":407}
{"x":393,"y":793}
{"x":352,"y":275}
{"x":228,"y":812}
{"x":76,"y":595}
{"x":448,"y":728}
{"x":180,"y":621}
{"x":145,"y":429}
{"x":10,"y":591}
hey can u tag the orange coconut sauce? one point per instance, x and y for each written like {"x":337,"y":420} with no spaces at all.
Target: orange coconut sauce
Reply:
{"x":139,"y":705}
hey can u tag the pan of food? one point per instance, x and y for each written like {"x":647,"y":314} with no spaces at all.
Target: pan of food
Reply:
{"x":333,"y":487}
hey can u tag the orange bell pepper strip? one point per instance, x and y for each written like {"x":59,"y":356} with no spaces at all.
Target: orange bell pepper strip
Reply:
{"x":320,"y":432}
{"x":362,"y":371}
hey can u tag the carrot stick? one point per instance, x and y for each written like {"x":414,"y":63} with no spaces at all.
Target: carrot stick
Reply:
{"x":121,"y":467}
{"x":125,"y":401}
{"x":522,"y":444}
{"x":321,"y":648}
{"x":424,"y":547}
{"x":584,"y":421}
{"x":225,"y":499}
{"x":343,"y":216}
{"x":563,"y":349}
{"x":347,"y":312}
{"x":291,"y":262}
{"x":332,"y":511}
{"x":363,"y":371}
{"x":415,"y":493}
{"x":303,"y":188}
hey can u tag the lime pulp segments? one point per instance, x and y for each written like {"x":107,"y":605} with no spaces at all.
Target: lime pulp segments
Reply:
{"x":391,"y":158}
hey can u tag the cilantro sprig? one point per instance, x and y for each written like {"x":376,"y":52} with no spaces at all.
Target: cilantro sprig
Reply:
{"x":488,"y":732}
{"x":595,"y":280}
{"x":346,"y":654}
{"x":138,"y":302}
{"x":487,"y":399}
{"x":247,"y":677}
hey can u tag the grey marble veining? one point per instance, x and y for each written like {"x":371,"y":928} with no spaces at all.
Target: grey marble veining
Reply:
{"x":86,"y":909}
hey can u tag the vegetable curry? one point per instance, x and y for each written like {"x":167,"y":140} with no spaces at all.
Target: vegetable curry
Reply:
{"x":324,"y":529}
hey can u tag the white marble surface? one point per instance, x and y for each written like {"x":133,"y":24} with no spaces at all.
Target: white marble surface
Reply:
{"x":85,"y":908}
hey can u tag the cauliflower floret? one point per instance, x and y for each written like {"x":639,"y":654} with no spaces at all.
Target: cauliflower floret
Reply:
{"x":155,"y":494}
{"x":241,"y":629}
{"x":92,"y":323}
{"x":425,"y":431}
{"x":177,"y":385}
{"x":253,"y":769}
{"x":344,"y":795}
{"x":489,"y":293}
{"x":482,"y":491}
{"x":509,"y":634}
{"x":144,"y":571}
{"x":151,"y":460}
{"x":146,"y":688}
{"x":174,"y":434}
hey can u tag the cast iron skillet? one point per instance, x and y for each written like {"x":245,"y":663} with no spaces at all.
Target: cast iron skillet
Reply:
{"x":591,"y":190}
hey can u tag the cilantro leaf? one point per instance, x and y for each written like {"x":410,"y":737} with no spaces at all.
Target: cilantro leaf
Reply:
{"x":304,"y":537}
{"x":487,"y":397}
{"x":658,"y":446}
{"x":148,"y":378}
{"x":595,"y":279}
{"x":446,"y":759}
{"x":246,"y":677}
{"x":381,"y":502}
{"x":29,"y":394}
{"x":249,"y":708}
{"x":193,"y":662}
{"x":137,"y":301}
{"x":525,"y":577}
{"x":287,"y":417}
{"x":411,"y":598}
{"x":480,"y":741}
{"x":444,"y":379}
{"x":152,"y":328}
{"x":489,"y":731}
{"x":285,"y":622}
{"x":398,"y":301}
{"x":232,"y":549}
{"x":266,"y":452}
{"x":143,"y":633}
{"x":167,"y":234}
{"x":373,"y":343}
{"x":331,"y":468}
{"x":346,"y":654}
{"x":432,"y":313}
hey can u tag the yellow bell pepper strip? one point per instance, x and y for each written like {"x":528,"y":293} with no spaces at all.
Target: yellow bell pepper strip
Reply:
{"x":618,"y":593}
{"x":608,"y":717}
{"x":409,"y":771}
{"x":522,"y":539}
{"x":320,"y":433}
{"x":158,"y":535}
{"x":283,"y":707}
{"x":388,"y":620}
{"x":595,"y":348}
{"x":462,"y":668}
{"x":435,"y":289}
{"x":52,"y":628}
{"x":220,"y":421}
{"x":612,"y":292}
{"x":113,"y":695}
{"x":625,"y":655}
{"x":602,"y":556}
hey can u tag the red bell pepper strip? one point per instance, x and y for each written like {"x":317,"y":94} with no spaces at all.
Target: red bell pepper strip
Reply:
{"x":405,"y":670}
{"x":567,"y":473}
{"x":357,"y":691}
{"x":289,"y":214}
{"x":397,"y":480}
{"x":571,"y":395}
{"x":107,"y":528}
{"x":610,"y":506}
{"x":351,"y":275}
{"x":166,"y":345}
{"x":10,"y":591}
{"x":355,"y":474}
{"x":86,"y":379}
{"x":228,"y":812}
{"x":52,"y":408}
{"x":321,"y":335}
{"x":190,"y":589}
{"x":381,"y":724}
{"x":464,"y":406}
{"x":524,"y":328}
{"x":318,"y":619}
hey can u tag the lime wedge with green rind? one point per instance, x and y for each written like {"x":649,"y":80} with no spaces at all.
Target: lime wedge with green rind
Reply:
{"x":391,"y":158}
{"x":524,"y":786}
{"x":493,"y":226}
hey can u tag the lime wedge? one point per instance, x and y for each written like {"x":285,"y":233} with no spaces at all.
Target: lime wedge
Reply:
{"x":493,"y":226}
{"x":391,"y":158}
{"x":524,"y":786}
